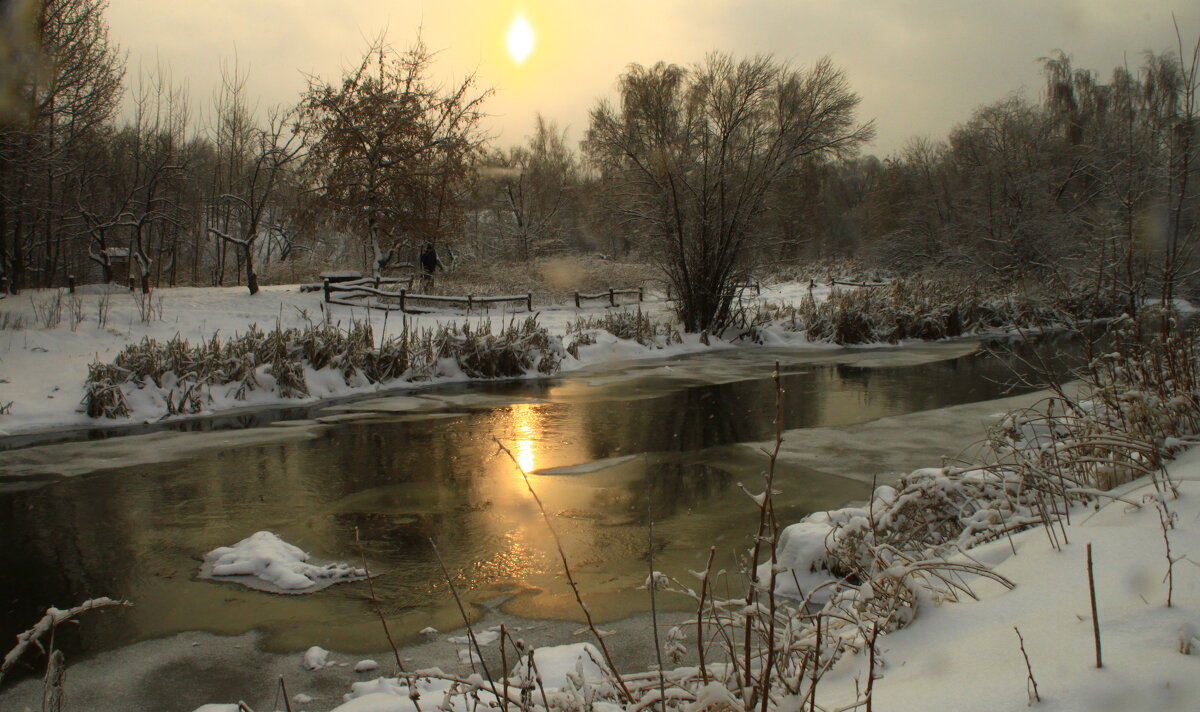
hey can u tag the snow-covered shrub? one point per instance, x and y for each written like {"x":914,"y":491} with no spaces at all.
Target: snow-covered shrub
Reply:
{"x":632,"y":325}
{"x":519,"y":348}
{"x":181,"y":377}
{"x":912,"y":308}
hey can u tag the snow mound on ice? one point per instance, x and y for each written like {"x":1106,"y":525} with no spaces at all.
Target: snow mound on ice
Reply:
{"x":316,"y":658}
{"x":265,"y":562}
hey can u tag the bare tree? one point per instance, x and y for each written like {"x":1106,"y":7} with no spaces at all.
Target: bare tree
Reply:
{"x":251,"y":163}
{"x":696,"y":152}
{"x":529,"y":187}
{"x":388,"y":149}
{"x":62,"y":80}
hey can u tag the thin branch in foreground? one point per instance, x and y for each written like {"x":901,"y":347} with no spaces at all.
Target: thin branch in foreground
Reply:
{"x":1031,"y":684}
{"x":1095,"y":617}
{"x":378,"y":610}
{"x":466,"y":620}
{"x":587,"y":614}
{"x":652,"y":584}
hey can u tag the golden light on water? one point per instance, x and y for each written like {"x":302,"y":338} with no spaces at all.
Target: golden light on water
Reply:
{"x":526,"y":432}
{"x":520,"y":39}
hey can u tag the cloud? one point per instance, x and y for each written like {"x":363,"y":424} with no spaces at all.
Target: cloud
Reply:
{"x":920,"y":67}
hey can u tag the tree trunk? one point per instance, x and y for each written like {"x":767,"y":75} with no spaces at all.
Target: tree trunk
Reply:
{"x":251,"y":275}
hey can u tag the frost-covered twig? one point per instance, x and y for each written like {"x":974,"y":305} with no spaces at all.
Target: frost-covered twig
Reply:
{"x":53,"y":617}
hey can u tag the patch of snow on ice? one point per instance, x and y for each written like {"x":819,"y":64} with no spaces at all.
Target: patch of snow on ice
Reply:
{"x":316,"y":658}
{"x":280,"y":565}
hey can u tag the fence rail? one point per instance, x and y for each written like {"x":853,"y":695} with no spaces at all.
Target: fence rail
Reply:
{"x":610,"y":295}
{"x":836,"y":282}
{"x":342,"y":292}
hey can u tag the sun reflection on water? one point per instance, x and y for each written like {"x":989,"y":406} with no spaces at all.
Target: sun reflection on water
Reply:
{"x":527,"y":432}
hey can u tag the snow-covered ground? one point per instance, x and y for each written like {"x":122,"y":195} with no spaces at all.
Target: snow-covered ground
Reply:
{"x":42,"y":370}
{"x":967,"y":655}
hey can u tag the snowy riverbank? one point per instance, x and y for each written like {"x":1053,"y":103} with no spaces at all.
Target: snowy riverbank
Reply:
{"x":43,"y":368}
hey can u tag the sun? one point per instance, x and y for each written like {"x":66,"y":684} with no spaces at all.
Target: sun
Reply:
{"x":520,"y":39}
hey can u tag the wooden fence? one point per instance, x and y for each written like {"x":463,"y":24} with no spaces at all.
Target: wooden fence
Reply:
{"x":610,"y":295}
{"x":342,"y":292}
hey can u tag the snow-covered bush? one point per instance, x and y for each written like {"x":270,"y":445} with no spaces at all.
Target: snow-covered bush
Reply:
{"x":911,"y":308}
{"x":519,"y":348}
{"x":180,"y":377}
{"x":632,"y":325}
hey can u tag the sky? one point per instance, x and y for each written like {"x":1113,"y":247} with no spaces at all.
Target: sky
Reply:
{"x":920,"y":66}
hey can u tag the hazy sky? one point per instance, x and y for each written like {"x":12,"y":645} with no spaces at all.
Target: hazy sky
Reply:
{"x":920,"y":66}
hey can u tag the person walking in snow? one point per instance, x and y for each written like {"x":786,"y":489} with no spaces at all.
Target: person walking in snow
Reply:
{"x":429,"y":263}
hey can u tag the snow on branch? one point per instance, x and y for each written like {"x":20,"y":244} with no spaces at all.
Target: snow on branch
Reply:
{"x":54,"y":617}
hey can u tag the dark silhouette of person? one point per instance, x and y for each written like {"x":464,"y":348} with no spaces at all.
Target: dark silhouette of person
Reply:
{"x":429,"y":263}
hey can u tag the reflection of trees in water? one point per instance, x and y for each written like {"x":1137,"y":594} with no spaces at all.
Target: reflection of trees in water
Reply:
{"x":672,"y":488}
{"x":691,"y":419}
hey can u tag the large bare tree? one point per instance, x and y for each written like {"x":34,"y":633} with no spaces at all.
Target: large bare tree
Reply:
{"x":387,"y":148}
{"x":697,"y":151}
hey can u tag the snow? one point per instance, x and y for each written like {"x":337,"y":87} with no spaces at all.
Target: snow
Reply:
{"x":316,"y":658}
{"x":486,"y":637}
{"x":966,"y":655}
{"x":266,"y":562}
{"x":556,"y":664}
{"x":365,"y":666}
{"x":42,"y":370}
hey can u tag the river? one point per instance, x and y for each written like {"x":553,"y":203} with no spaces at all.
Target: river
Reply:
{"x":610,"y":448}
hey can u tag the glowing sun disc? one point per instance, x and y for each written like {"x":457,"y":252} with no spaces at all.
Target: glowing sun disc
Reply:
{"x":520,"y":39}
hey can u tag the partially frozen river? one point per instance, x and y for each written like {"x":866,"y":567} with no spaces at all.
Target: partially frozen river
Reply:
{"x":132,"y":516}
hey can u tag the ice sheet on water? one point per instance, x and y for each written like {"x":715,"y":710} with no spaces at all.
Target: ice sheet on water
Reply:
{"x":585,"y":468}
{"x":78,"y":458}
{"x":389,"y":404}
{"x":887,"y":447}
{"x":755,"y":363}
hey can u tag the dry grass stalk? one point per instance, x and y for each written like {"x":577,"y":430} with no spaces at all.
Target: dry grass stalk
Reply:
{"x":1031,"y":688}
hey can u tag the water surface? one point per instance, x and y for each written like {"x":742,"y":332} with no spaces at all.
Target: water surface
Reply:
{"x":611,"y":449}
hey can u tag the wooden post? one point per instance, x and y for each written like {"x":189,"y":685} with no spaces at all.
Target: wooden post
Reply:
{"x":131,"y":284}
{"x":470,"y":302}
{"x":71,"y":283}
{"x":377,"y":281}
{"x":402,"y":293}
{"x":758,"y":289}
{"x":326,"y":285}
{"x":576,"y":300}
{"x":612,"y":298}
{"x":641,"y":294}
{"x":529,"y":301}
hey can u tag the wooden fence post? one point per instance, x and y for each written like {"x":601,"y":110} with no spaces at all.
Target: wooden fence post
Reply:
{"x":576,"y":300}
{"x":470,"y":302}
{"x":612,"y":298}
{"x":131,"y":284}
{"x":402,"y":293}
{"x":326,"y":286}
{"x":529,"y":301}
{"x":71,"y":283}
{"x":641,"y":294}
